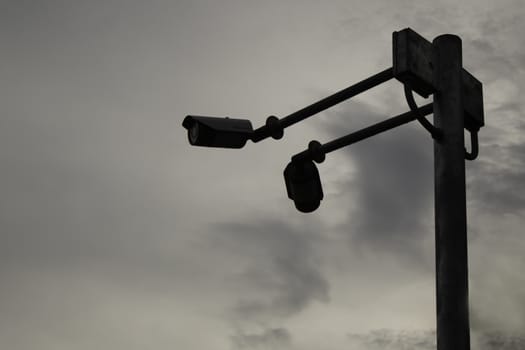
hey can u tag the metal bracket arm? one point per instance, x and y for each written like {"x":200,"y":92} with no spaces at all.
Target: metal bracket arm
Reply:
{"x":274,"y":127}
{"x":317,"y":151}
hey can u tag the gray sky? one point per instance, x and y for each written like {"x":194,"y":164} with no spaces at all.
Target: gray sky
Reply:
{"x":116,"y":234}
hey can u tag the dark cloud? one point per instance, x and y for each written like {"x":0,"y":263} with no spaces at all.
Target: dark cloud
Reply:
{"x":493,"y":36}
{"x":394,"y":340}
{"x":393,"y":182}
{"x":421,"y":340}
{"x":282,"y":268}
{"x":270,"y":339}
{"x":498,"y":190}
{"x":496,"y":177}
{"x":499,"y":341}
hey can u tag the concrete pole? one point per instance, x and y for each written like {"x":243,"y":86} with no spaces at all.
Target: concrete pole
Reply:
{"x":450,"y":198}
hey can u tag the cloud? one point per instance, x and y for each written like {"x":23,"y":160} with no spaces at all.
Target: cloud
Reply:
{"x":495,"y":188}
{"x":281,"y":275}
{"x":271,"y":339}
{"x":498,"y":341}
{"x":394,"y":340}
{"x":426,"y":339}
{"x":392,"y":183}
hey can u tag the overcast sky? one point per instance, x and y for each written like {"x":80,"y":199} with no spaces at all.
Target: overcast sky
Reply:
{"x":116,"y":234}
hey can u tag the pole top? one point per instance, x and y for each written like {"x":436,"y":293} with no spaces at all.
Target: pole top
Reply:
{"x":448,"y":38}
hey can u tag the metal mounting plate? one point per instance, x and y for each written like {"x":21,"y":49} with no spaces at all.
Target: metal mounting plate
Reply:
{"x":412,"y":55}
{"x":472,"y":101}
{"x":412,"y":65}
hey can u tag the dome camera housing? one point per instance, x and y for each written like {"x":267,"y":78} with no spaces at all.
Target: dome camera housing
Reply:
{"x":303,"y":185}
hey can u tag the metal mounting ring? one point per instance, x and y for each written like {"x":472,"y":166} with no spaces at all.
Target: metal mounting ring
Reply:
{"x":473,"y":154}
{"x":316,"y":152}
{"x":435,"y":132}
{"x":275,"y":130}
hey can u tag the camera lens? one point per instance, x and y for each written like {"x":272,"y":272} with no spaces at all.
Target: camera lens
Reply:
{"x":193,"y":133}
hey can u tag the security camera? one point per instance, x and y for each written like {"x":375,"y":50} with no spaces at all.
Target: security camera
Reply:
{"x":303,"y":185}
{"x":217,"y":132}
